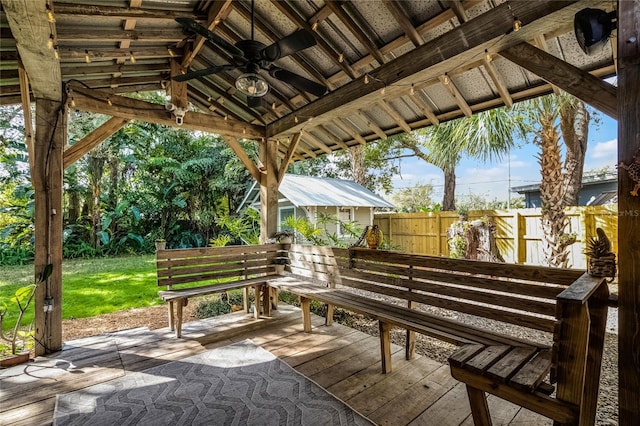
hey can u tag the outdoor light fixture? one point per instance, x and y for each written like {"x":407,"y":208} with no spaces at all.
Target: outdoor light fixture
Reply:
{"x":593,"y":28}
{"x":251,"y":83}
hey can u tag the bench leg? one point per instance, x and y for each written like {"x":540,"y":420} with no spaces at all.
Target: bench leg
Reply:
{"x":256,"y":301}
{"x":171,"y":320}
{"x":410,"y":345}
{"x":305,"y":305}
{"x":266,"y":300}
{"x":274,"y":298}
{"x":245,"y":300}
{"x":385,"y":346}
{"x":479,"y":407}
{"x":180,"y":304}
{"x":329,"y":318}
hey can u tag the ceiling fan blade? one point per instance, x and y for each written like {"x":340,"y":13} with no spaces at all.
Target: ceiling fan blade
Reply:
{"x":254,"y":101}
{"x":295,"y":42}
{"x":199,"y":73}
{"x":298,"y":81}
{"x":192,"y":25}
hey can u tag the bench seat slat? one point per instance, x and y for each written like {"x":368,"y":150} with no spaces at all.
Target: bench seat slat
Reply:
{"x":486,"y":358}
{"x":210,"y":251}
{"x":185,"y":293}
{"x":164,"y":264}
{"x":236,"y":265}
{"x":214,"y":276}
{"x":509,"y":364}
{"x":533,"y":372}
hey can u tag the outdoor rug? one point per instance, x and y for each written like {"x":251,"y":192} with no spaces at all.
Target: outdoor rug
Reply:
{"x":239,"y":384}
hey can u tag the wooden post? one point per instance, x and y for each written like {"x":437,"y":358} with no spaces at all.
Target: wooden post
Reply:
{"x":51,"y":134}
{"x":385,"y":346}
{"x":628,"y":213}
{"x":269,"y":190}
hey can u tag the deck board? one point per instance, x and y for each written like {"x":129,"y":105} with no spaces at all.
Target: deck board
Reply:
{"x":344,"y":361}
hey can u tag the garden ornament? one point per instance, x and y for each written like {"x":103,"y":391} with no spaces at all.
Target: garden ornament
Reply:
{"x":634,"y":172}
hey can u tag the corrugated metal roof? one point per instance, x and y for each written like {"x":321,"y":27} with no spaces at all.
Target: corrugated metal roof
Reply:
{"x":319,"y":191}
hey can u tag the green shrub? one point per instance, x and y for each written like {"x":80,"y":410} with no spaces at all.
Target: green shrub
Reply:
{"x":220,"y":304}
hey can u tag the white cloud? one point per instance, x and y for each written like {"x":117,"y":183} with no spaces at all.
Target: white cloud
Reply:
{"x":605,"y":150}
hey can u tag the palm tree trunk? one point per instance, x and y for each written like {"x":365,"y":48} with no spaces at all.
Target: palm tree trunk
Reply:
{"x":448,"y":199}
{"x":574,"y":123}
{"x":555,"y":241}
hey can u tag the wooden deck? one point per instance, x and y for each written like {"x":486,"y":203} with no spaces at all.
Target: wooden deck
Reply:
{"x":344,"y":361}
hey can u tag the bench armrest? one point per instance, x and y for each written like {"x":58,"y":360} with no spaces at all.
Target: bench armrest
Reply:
{"x":581,"y":289}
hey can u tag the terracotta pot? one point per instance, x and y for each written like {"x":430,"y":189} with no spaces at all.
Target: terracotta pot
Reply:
{"x":161,"y":245}
{"x":279,"y":269}
{"x":285,"y":240}
{"x":16,"y":359}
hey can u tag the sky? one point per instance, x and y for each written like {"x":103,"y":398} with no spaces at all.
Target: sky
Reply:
{"x":493,"y":180}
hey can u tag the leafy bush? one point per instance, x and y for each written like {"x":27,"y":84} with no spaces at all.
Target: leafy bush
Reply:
{"x":220,"y":304}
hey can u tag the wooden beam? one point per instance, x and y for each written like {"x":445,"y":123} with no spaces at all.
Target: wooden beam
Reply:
{"x":306,"y":136}
{"x":351,"y":25}
{"x":595,"y":92}
{"x":51,"y":133}
{"x":96,"y":54}
{"x":458,"y":10}
{"x":541,"y":41}
{"x":74,"y":34}
{"x":178,"y":89}
{"x":333,"y":138}
{"x":503,"y":91}
{"x":93,"y":139}
{"x":243,"y":157}
{"x":269,"y":190}
{"x":73,"y":9}
{"x":628,"y":213}
{"x":133,"y":109}
{"x":77,"y":69}
{"x":217,"y":12}
{"x":31,"y":30}
{"x":25,"y":98}
{"x":434,"y":58}
{"x":293,"y":145}
{"x":345,"y":127}
{"x":403,"y":20}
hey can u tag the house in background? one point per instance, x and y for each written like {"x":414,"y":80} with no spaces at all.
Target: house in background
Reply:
{"x":310,"y":197}
{"x":596,"y":190}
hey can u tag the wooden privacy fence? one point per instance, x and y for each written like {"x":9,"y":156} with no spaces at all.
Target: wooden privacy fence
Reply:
{"x":518,"y":232}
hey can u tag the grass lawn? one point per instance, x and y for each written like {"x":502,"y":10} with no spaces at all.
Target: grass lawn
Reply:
{"x":90,"y":286}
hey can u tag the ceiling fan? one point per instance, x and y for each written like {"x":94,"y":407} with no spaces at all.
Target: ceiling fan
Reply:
{"x":251,"y":56}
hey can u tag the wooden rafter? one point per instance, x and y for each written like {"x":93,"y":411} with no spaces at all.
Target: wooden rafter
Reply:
{"x":128,"y":25}
{"x":394,"y":115}
{"x":597,"y":93}
{"x":98,"y":54}
{"x":243,"y":157}
{"x":286,"y":160}
{"x":541,"y":42}
{"x":313,"y":141}
{"x":76,"y":69}
{"x":93,"y":139}
{"x":133,"y":109}
{"x":455,"y":92}
{"x":403,"y":20}
{"x":503,"y":91}
{"x":217,"y":12}
{"x":424,"y":107}
{"x":353,"y":27}
{"x":458,"y":10}
{"x":209,"y":104}
{"x":287,"y":10}
{"x":348,"y":129}
{"x":331,"y":136}
{"x":127,"y":34}
{"x":372,"y":124}
{"x":433,"y":58}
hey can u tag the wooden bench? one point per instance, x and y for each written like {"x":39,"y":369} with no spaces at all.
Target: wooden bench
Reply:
{"x":195,"y":272}
{"x":545,"y":304}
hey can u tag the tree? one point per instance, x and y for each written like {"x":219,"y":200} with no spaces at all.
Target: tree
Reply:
{"x":413,"y":199}
{"x":486,"y":136}
{"x":543,"y":114}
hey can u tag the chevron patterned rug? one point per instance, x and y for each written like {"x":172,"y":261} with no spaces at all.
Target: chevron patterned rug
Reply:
{"x":239,"y":384}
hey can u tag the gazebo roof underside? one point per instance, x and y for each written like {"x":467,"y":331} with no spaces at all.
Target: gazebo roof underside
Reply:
{"x":390,"y":66}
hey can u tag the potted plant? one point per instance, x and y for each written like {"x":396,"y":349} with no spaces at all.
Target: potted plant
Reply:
{"x":16,"y":345}
{"x":283,"y":237}
{"x":279,"y":264}
{"x":161,"y":244}
{"x":601,"y":261}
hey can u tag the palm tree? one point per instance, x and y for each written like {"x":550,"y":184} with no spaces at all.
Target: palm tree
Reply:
{"x":486,"y":136}
{"x":543,"y":115}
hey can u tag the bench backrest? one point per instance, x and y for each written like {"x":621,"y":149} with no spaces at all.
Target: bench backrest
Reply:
{"x":517,"y":294}
{"x":215,"y":264}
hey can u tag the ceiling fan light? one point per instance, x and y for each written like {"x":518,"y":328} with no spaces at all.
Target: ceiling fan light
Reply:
{"x":252,"y":84}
